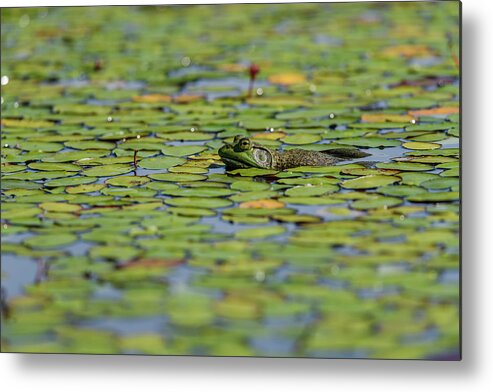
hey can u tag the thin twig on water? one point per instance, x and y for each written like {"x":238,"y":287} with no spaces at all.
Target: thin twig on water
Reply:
{"x":135,"y":162}
{"x":41,"y":271}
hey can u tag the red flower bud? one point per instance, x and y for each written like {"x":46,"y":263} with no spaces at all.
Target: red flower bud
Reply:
{"x":98,"y":65}
{"x":254,"y":69}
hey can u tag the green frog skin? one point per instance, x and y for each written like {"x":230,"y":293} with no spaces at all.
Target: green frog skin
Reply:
{"x":244,"y":154}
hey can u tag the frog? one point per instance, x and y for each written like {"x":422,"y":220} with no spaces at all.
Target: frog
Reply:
{"x":243,"y":153}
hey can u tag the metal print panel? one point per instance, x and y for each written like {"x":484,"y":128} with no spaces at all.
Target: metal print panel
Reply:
{"x":277,"y":180}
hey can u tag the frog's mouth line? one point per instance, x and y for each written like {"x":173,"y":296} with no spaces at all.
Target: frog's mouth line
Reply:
{"x":235,"y":164}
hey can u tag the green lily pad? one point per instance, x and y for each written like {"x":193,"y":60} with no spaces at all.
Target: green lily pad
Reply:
{"x":177,"y":177}
{"x":204,"y":191}
{"x":371,"y":181}
{"x":258,"y":211}
{"x":440,"y":183}
{"x":187,"y":169}
{"x":90,"y":145}
{"x":400,"y":190}
{"x":107,"y":170}
{"x":261,"y":124}
{"x":311,"y":181}
{"x":455,"y":172}
{"x":115,"y":253}
{"x":8,"y":168}
{"x":253,"y":172}
{"x":84,"y":188}
{"x":259,"y":232}
{"x":434,"y":197}
{"x":249,"y":196}
{"x":454,"y":131}
{"x":128,"y":181}
{"x":429,"y":159}
{"x":242,"y":185}
{"x":415,"y":178}
{"x":191,"y":211}
{"x":60,"y":207}
{"x":428,"y":127}
{"x":300,"y":138}
{"x":367,"y":171}
{"x":299,"y":218}
{"x":40,"y":146}
{"x":316,"y":190}
{"x":186,"y":136}
{"x":405,"y":166}
{"x":182,"y":151}
{"x":70,"y":181}
{"x":208,"y":202}
{"x":369,"y":142}
{"x":376,"y":202}
{"x":54,"y":166}
{"x":421,"y":146}
{"x":35,"y":176}
{"x":160,"y":186}
{"x":72,"y":156}
{"x":21,"y":213}
{"x":310,"y":200}
{"x":47,"y":241}
{"x":160,"y":162}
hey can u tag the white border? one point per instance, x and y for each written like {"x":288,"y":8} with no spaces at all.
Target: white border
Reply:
{"x":94,"y":373}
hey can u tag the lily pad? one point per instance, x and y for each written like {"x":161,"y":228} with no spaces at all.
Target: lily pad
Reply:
{"x":400,"y":190}
{"x":84,"y":188}
{"x":260,"y":232}
{"x":181,"y":151}
{"x":185,"y":136}
{"x":204,"y":191}
{"x":208,"y":202}
{"x":128,"y":181}
{"x":249,"y":185}
{"x":316,"y":190}
{"x":107,"y":170}
{"x":301,"y":139}
{"x":160,"y":162}
{"x":60,"y":207}
{"x":48,"y":241}
{"x":54,"y":166}
{"x":72,"y":156}
{"x":70,"y":181}
{"x":310,"y":200}
{"x":371,"y":181}
{"x":440,"y":183}
{"x":191,"y":211}
{"x":376,"y":202}
{"x":405,"y":166}
{"x":434,"y":197}
{"x":114,"y":252}
{"x":253,"y":172}
{"x":369,"y":142}
{"x":40,"y":146}
{"x":177,"y":177}
{"x":421,"y":146}
{"x":90,"y":145}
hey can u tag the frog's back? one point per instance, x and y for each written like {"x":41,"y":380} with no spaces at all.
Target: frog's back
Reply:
{"x":298,"y":157}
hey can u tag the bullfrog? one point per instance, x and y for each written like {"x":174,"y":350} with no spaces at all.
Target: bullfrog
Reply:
{"x":244,"y":154}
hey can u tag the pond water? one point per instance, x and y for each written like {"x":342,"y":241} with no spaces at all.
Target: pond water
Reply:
{"x":122,"y":231}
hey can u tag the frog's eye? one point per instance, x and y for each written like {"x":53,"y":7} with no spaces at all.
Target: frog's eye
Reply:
{"x":245,"y":144}
{"x":262,"y":157}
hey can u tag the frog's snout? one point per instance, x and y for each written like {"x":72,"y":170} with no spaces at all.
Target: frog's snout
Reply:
{"x":223,"y":149}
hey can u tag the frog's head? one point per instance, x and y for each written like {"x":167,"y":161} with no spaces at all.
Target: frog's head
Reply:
{"x":244,"y":154}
